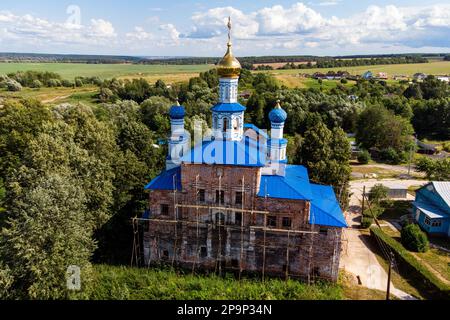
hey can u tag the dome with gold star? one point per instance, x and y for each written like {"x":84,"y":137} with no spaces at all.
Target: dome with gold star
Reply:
{"x":229,"y":66}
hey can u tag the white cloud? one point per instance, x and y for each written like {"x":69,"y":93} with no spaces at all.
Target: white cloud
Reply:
{"x":139,"y":34}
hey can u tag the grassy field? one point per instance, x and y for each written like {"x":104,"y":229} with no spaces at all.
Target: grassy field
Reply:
{"x":171,"y":73}
{"x":292,"y":79}
{"x":123,"y":283}
{"x":85,"y":94}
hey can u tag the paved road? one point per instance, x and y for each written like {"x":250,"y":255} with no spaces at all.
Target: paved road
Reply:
{"x":357,"y":256}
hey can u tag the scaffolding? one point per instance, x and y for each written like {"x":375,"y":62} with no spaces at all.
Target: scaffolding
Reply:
{"x":247,"y":228}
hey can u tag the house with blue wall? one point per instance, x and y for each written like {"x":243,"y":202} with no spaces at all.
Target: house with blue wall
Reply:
{"x":431,"y":208}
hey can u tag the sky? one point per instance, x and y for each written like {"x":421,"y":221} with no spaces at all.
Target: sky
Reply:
{"x":198,"y":28}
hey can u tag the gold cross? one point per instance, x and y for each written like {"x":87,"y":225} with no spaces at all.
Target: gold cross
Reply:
{"x":229,"y":29}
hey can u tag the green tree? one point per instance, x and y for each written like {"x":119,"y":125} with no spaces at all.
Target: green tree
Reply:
{"x":155,"y":114}
{"x":377,"y":127}
{"x":414,"y":239}
{"x":326,"y":154}
{"x":438,"y":170}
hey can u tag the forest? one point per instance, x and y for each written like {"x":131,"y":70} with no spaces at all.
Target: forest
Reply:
{"x":72,"y":175}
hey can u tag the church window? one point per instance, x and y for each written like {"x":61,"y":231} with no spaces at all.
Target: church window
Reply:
{"x":220,"y":197}
{"x":238,"y":199}
{"x":225,"y":124}
{"x":164,"y":209}
{"x":201,"y":195}
{"x":272,"y":221}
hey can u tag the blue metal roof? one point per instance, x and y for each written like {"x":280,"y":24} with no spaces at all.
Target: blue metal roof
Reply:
{"x":248,"y":153}
{"x":277,"y":115}
{"x":165,"y":180}
{"x":177,"y":112}
{"x":228,"y":107}
{"x":325,"y":209}
{"x":430,"y":210}
{"x":294,"y":185}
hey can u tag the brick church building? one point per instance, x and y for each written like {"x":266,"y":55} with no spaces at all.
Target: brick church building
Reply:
{"x":232,"y":201}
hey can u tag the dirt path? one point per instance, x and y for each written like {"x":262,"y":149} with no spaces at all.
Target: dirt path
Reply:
{"x":56,"y":99}
{"x":431,"y":269}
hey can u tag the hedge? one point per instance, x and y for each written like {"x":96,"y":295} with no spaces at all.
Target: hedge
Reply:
{"x":434,"y":286}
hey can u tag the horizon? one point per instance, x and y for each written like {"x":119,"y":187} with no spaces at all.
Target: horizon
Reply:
{"x":266,"y":28}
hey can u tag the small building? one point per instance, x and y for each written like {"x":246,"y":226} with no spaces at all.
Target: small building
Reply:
{"x":382,"y":75}
{"x":367,"y":75}
{"x":419,"y":76}
{"x":431,"y":208}
{"x":443,"y":78}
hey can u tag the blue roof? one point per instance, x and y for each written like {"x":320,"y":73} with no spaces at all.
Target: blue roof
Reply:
{"x":228,"y":107}
{"x":430,"y":210}
{"x":325,"y":209}
{"x":165,"y":180}
{"x":177,"y":112}
{"x":247,"y":152}
{"x":294,"y":185}
{"x":277,"y":115}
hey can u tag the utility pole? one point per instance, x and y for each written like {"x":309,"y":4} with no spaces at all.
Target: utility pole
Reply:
{"x":363,"y":199}
{"x":391,"y":262}
{"x":411,"y":154}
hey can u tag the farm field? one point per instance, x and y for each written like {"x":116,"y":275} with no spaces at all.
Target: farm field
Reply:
{"x":172,"y":73}
{"x":291,"y":77}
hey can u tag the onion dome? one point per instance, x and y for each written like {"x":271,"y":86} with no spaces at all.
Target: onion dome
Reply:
{"x":278,"y":115}
{"x":229,"y":66}
{"x":177,"y":111}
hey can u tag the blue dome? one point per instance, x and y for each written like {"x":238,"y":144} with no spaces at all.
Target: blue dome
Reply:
{"x":278,"y":115}
{"x":177,"y":112}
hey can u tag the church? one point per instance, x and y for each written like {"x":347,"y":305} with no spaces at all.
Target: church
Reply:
{"x":230,"y":201}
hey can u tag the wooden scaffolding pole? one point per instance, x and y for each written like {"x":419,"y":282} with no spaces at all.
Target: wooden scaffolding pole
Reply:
{"x":241,"y":258}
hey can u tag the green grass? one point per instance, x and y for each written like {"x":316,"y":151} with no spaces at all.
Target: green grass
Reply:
{"x":124,"y":283}
{"x":104,"y":71}
{"x":418,"y":275}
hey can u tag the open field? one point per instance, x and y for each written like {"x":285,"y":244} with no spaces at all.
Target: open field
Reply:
{"x":85,"y":94}
{"x":291,"y":77}
{"x":108,"y":71}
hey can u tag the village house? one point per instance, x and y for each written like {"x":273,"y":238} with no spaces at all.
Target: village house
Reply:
{"x":232,"y":202}
{"x":431,"y":208}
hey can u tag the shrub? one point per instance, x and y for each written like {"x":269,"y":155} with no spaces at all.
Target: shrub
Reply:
{"x":13,"y":85}
{"x":366,"y":222}
{"x":390,"y":155}
{"x":378,"y":193}
{"x":36,"y":84}
{"x":364,"y":157}
{"x":446,"y":146}
{"x":344,"y":81}
{"x":54,"y":83}
{"x":78,"y":82}
{"x":414,"y":239}
{"x":67,"y":83}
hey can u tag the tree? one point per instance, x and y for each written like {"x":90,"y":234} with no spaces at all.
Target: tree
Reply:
{"x":438,"y":170}
{"x":326,"y":154}
{"x":377,"y":127}
{"x":364,"y":157}
{"x":378,"y":193}
{"x":155,"y":114}
{"x":414,"y":239}
{"x":13,"y":85}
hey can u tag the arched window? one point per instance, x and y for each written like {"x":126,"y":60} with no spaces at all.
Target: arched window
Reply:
{"x":225,"y":124}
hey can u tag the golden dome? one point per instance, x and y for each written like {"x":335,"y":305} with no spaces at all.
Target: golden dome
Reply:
{"x":229,"y":66}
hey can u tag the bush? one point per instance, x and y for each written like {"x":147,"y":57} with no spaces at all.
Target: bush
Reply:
{"x":54,"y":83}
{"x":79,"y":82}
{"x":378,"y":193}
{"x":414,"y":239}
{"x":13,"y":85}
{"x":446,"y":146}
{"x":36,"y":84}
{"x":364,"y":157}
{"x":434,"y":287}
{"x":366,"y":222}
{"x":344,"y":81}
{"x":67,"y":83}
{"x":390,"y":155}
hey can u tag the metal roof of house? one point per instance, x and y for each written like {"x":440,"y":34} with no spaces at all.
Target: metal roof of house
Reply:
{"x":165,"y":181}
{"x":247,"y":152}
{"x":429,"y":210}
{"x":443,"y":189}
